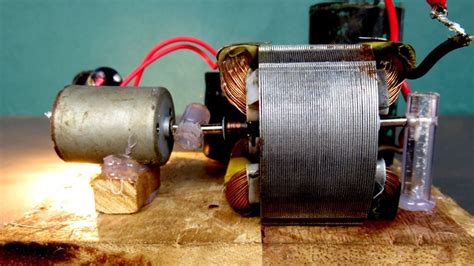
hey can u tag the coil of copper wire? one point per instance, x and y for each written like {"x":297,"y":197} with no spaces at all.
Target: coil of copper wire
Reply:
{"x":237,"y":188}
{"x":234,"y":66}
{"x":394,"y":82}
{"x":237,"y":191}
{"x":392,"y":185}
{"x":385,"y":206}
{"x":234,"y":71}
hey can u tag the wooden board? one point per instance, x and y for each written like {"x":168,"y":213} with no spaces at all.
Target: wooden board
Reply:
{"x":189,"y":222}
{"x":444,"y":235}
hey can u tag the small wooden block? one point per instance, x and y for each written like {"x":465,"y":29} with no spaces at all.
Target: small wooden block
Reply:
{"x":113,"y":196}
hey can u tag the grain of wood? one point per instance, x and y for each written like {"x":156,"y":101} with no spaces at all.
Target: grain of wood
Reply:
{"x":443,"y":235}
{"x":183,"y":226}
{"x":114,"y":196}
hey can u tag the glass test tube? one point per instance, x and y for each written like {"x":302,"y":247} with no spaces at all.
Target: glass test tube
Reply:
{"x":420,"y":131}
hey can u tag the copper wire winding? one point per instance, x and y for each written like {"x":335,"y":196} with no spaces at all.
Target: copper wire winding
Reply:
{"x":233,"y":72}
{"x":237,"y":191}
{"x":237,"y":188}
{"x":385,"y":206}
{"x":392,"y":185}
{"x":394,"y":83}
{"x":390,"y":195}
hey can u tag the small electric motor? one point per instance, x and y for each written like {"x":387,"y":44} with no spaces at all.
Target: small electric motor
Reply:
{"x":89,"y":123}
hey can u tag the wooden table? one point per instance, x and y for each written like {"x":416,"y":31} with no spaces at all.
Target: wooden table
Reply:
{"x":189,"y":222}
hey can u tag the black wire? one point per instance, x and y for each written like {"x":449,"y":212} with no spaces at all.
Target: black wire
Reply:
{"x":434,"y":56}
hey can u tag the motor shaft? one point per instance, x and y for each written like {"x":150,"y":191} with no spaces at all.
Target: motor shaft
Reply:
{"x":393,"y":122}
{"x":216,"y":129}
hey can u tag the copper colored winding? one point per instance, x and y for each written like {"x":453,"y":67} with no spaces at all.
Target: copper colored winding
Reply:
{"x":233,"y":72}
{"x":237,"y":188}
{"x":392,"y":185}
{"x":237,"y":191}
{"x":385,"y":206}
{"x":394,"y":83}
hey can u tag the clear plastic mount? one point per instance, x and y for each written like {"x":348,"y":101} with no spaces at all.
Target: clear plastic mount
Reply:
{"x":420,"y":131}
{"x":189,"y":134}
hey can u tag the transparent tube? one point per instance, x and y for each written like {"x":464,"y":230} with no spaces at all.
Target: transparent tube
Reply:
{"x":420,"y":131}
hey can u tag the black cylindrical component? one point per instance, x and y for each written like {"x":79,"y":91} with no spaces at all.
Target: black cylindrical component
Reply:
{"x":342,"y":22}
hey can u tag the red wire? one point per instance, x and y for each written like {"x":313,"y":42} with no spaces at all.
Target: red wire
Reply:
{"x":405,"y":90}
{"x":165,"y":43}
{"x":160,"y":54}
{"x":395,"y":36}
{"x":392,"y":21}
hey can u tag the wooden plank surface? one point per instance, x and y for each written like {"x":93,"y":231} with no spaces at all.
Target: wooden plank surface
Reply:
{"x":444,"y":235}
{"x":190,"y":222}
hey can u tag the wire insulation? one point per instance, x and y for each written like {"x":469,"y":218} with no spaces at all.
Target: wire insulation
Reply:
{"x":170,"y":41}
{"x":392,"y":21}
{"x":149,"y":61}
{"x":451,"y":44}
